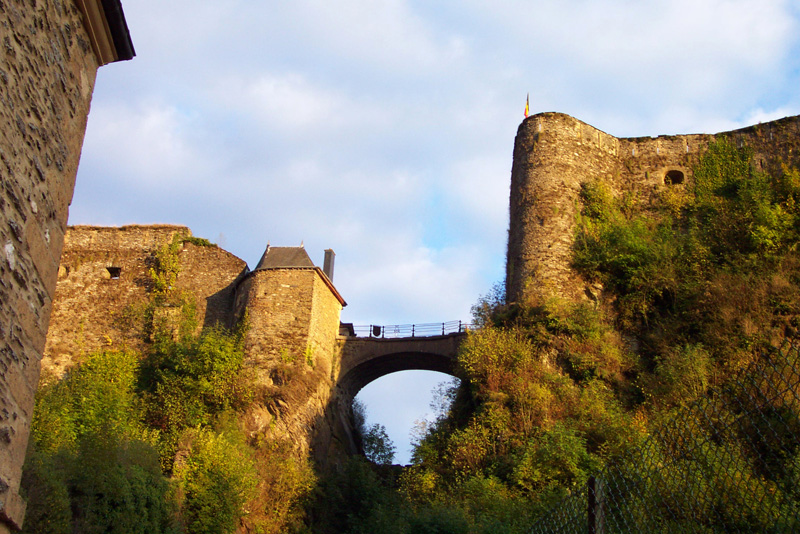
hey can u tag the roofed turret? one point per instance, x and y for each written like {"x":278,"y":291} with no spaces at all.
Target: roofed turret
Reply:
{"x":284,"y":257}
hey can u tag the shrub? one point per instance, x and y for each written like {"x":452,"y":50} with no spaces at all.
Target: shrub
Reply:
{"x":216,"y":480}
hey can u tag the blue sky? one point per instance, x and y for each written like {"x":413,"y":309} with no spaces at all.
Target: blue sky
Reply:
{"x":384,"y":129}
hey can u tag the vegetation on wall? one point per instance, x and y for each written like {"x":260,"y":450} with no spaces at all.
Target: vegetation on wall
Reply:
{"x":711,"y":271}
{"x":153,"y":441}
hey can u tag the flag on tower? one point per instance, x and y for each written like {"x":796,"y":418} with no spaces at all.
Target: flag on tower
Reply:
{"x":527,"y":105}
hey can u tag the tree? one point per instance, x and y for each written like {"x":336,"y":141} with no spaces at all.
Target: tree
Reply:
{"x":378,"y":447}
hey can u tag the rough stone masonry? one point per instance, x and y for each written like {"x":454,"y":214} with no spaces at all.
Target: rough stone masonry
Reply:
{"x":49,"y":54}
{"x":555,"y":154}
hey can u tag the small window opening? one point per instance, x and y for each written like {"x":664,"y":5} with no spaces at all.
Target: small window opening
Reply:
{"x":674,"y":177}
{"x":114,"y":272}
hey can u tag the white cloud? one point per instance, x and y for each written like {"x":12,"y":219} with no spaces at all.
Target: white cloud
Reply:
{"x":386,"y":34}
{"x":287,"y":103}
{"x":393,"y":281}
{"x":150,"y":143}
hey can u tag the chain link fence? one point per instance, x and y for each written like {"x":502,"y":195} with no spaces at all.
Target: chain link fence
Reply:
{"x":729,"y":462}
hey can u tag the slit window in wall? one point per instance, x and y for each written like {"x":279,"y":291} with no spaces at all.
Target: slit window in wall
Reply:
{"x":674,"y":177}
{"x":114,"y":272}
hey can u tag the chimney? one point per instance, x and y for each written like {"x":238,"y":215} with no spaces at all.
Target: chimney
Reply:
{"x":327,"y":266}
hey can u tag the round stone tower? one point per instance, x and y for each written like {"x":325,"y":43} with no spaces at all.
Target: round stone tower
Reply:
{"x":555,"y":154}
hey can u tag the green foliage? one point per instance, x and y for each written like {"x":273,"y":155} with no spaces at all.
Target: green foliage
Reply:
{"x":487,"y":305}
{"x":198,"y":241}
{"x":104,"y":486}
{"x":285,"y":484}
{"x":743,"y":214}
{"x":217,"y":480}
{"x":97,"y":434}
{"x":119,"y":488}
{"x":632,"y":254}
{"x":684,"y":373}
{"x":378,"y":447}
{"x":165,"y":269}
{"x":556,"y":460}
{"x":45,"y":487}
{"x":657,"y":261}
{"x":97,"y":398}
{"x":93,"y":466}
{"x":189,"y":381}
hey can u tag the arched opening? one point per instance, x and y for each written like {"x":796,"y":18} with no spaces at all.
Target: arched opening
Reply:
{"x":399,"y":400}
{"x":380,"y":363}
{"x":674,"y":177}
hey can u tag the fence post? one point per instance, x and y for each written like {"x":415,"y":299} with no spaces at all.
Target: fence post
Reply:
{"x":596,"y":511}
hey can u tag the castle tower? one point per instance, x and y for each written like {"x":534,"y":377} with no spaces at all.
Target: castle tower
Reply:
{"x":555,"y":154}
{"x":293,"y":309}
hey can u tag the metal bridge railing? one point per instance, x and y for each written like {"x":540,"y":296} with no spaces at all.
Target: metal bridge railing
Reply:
{"x":411,"y":330}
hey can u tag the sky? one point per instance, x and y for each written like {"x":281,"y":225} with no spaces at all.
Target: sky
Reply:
{"x":384,"y":129}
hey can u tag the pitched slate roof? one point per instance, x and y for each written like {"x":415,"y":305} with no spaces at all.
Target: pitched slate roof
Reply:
{"x":282,"y":257}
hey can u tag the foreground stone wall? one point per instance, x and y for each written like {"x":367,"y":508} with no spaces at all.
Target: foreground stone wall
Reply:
{"x":47,"y":74}
{"x":554,"y":154}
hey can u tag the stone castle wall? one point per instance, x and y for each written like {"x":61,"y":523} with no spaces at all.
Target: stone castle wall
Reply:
{"x":103,"y":280}
{"x":278,"y":302}
{"x":47,"y":74}
{"x":103,"y":285}
{"x":325,"y":319}
{"x":554,"y":154}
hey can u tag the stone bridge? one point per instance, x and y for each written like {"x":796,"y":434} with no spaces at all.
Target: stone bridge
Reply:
{"x":374,"y":354}
{"x":365,"y":359}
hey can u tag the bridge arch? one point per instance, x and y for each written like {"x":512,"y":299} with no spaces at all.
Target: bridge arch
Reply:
{"x":380,"y":366}
{"x":364,"y":359}
{"x":367,"y":359}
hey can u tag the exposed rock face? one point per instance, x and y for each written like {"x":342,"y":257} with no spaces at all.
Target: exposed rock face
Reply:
{"x":554,"y":154}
